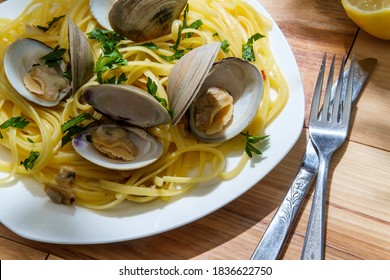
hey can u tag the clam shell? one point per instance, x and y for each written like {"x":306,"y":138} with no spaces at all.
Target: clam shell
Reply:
{"x":18,"y":60}
{"x":187,"y":76}
{"x":22,"y":54}
{"x":100,"y":10}
{"x":81,"y":58}
{"x":128,"y":104}
{"x":141,"y":20}
{"x":244,"y":82}
{"x":149,"y":150}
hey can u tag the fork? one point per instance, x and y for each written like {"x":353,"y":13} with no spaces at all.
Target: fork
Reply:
{"x":328,"y":129}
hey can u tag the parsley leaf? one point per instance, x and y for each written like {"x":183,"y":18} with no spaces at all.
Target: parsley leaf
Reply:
{"x":68,"y":73}
{"x":178,"y":38}
{"x":109,"y":39}
{"x":17,"y":122}
{"x":150,"y":45}
{"x":225,"y":46}
{"x":195,"y":25}
{"x":152,"y":89}
{"x":250,"y":140}
{"x":108,"y":62}
{"x":180,"y":53}
{"x":72,"y":127}
{"x":111,"y":57}
{"x":177,"y":55}
{"x":54,"y":58}
{"x":247,"y":49}
{"x":116,"y":80}
{"x":49,"y":24}
{"x":29,"y":162}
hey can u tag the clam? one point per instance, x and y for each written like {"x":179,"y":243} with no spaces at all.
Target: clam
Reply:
{"x":128,"y":104}
{"x":124,"y":144}
{"x":125,"y":140}
{"x":226,"y":93}
{"x":135,"y":19}
{"x":39,"y":83}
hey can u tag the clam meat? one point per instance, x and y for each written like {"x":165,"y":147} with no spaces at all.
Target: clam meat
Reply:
{"x":213,"y":110}
{"x":61,"y":191}
{"x":115,"y":142}
{"x":46,"y":82}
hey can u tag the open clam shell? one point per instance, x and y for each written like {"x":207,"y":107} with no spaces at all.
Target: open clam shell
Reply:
{"x":128,"y":104}
{"x":187,"y":76}
{"x":18,"y":61}
{"x":244,"y":82}
{"x":197,"y":71}
{"x":137,"y":20}
{"x":141,"y":20}
{"x":149,"y":149}
{"x":23,"y":54}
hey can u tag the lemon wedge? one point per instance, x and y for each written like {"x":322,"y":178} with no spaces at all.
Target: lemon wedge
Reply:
{"x":373,"y":16}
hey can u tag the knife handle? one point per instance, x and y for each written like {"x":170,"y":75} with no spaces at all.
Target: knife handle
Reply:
{"x":273,"y":240}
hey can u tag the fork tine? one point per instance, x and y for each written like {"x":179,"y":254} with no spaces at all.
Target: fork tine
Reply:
{"x":337,"y":101}
{"x":327,"y":101}
{"x":338,"y":98}
{"x":317,"y":91}
{"x":348,"y":98}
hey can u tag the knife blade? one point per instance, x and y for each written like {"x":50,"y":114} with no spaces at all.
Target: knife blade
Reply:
{"x":274,"y":238}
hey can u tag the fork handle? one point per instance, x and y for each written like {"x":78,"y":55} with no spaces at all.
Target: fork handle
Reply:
{"x":271,"y":245}
{"x":313,"y":247}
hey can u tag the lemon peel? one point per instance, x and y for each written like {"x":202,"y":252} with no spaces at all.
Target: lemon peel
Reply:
{"x":373,"y":16}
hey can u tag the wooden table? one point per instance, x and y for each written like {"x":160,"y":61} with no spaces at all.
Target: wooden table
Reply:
{"x":359,"y":197}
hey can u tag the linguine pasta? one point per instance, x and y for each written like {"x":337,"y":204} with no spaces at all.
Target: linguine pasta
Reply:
{"x":186,"y":161}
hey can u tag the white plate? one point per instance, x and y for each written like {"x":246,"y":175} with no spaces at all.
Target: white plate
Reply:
{"x":25,"y":209}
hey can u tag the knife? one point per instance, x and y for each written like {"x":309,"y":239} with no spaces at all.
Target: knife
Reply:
{"x":274,"y":238}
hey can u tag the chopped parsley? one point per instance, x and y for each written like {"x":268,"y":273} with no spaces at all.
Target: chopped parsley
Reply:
{"x":150,"y":45}
{"x":247,"y":49}
{"x":68,"y":73}
{"x":195,"y":25}
{"x":72,"y":127}
{"x":177,"y":55}
{"x":17,"y":122}
{"x":54,"y":58}
{"x":225,"y":46}
{"x":29,"y":162}
{"x":111,"y":57}
{"x":176,"y":46}
{"x":117,"y":80}
{"x":152,"y":89}
{"x":250,"y":141}
{"x":49,"y":24}
{"x":109,"y":39}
